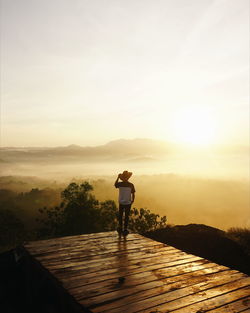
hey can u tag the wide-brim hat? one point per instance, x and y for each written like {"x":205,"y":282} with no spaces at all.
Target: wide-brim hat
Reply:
{"x":125,"y":175}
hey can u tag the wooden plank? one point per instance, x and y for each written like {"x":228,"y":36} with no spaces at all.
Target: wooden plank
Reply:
{"x":245,"y":311}
{"x":135,"y":279}
{"x":93,"y":251}
{"x":83,"y":280}
{"x":167,"y":286}
{"x":49,"y":242}
{"x":214,"y":302}
{"x":241,"y":305}
{"x":189,"y":302}
{"x":94,"y":271}
{"x":93,"y":246}
{"x":133,"y":254}
{"x":171,"y":299}
{"x":62,"y":245}
{"x":114,"y":295}
{"x":87,"y":253}
{"x":98,"y":237}
{"x":82,"y":240}
{"x":156,"y":277}
{"x":139,"y":258}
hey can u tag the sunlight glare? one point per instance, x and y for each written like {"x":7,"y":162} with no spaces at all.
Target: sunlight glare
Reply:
{"x":194,"y":126}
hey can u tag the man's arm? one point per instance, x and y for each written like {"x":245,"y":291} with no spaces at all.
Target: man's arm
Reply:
{"x":116,"y":182}
{"x":132,"y":193}
{"x":133,"y":197}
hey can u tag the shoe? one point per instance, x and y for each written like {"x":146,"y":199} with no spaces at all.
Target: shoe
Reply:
{"x":119,"y":230}
{"x":125,"y":232}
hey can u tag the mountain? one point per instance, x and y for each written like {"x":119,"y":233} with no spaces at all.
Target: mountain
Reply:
{"x":122,"y":149}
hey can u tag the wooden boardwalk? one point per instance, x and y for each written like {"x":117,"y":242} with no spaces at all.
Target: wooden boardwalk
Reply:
{"x":105,"y":273}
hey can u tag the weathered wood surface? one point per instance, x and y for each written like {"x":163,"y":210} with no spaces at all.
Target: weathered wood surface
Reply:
{"x":105,"y":273}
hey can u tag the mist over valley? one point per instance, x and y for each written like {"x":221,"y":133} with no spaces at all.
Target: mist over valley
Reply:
{"x":188,"y":185}
{"x":142,"y":156}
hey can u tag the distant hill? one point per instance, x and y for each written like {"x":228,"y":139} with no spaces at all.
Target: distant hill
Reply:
{"x":207,"y":242}
{"x":128,"y":150}
{"x":122,"y":149}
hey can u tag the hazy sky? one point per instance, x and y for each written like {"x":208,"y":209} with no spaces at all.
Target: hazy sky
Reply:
{"x":90,"y":71}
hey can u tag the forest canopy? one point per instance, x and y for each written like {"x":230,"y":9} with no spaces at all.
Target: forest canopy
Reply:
{"x":79,"y":212}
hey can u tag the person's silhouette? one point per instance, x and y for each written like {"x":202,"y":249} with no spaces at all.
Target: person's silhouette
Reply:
{"x":126,"y":198}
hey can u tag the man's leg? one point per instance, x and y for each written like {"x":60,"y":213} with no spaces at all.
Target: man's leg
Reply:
{"x":121,"y":210}
{"x":127,"y":211}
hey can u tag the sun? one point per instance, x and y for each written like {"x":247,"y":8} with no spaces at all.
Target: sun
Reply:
{"x":194,"y":126}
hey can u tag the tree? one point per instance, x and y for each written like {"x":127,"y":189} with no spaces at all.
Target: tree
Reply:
{"x":81,"y":209}
{"x":108,"y":216}
{"x":80,"y":212}
{"x":51,"y":223}
{"x":143,"y":220}
{"x":77,"y":213}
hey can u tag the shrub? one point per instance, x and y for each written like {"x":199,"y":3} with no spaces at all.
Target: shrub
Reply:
{"x":241,"y":236}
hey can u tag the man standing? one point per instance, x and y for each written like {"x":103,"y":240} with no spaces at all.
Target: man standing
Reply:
{"x":126,"y":198}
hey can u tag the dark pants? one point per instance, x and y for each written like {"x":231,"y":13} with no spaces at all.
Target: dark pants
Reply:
{"x":124,"y":208}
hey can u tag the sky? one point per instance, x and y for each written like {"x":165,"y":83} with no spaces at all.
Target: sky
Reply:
{"x":90,"y":71}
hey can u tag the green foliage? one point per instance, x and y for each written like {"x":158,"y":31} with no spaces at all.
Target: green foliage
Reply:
{"x":143,"y":220}
{"x":108,"y":215}
{"x":78,"y":194}
{"x":71,"y":211}
{"x":80,"y":213}
{"x":24,"y":204}
{"x":51,"y":224}
{"x":80,"y":209}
